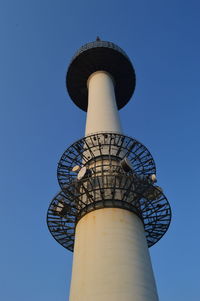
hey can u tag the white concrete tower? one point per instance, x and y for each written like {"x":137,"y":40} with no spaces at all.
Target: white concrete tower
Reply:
{"x":109,"y":210}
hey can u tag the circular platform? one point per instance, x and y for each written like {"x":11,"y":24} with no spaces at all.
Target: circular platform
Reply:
{"x":117,"y":191}
{"x":100,"y":56}
{"x":104,"y":149}
{"x":61,"y":220}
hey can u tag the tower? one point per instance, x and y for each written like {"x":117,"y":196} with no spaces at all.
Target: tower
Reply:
{"x":109,"y":210}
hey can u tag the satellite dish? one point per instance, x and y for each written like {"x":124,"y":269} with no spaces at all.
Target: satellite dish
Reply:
{"x":76,"y":168}
{"x":82,"y":173}
{"x":153,"y":193}
{"x":61,"y":209}
{"x":153,"y":178}
{"x":126,"y":164}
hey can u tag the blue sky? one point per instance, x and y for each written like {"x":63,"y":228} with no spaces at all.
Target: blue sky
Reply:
{"x":38,"y":122}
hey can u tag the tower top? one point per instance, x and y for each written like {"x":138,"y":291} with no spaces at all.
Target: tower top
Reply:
{"x":100,"y":56}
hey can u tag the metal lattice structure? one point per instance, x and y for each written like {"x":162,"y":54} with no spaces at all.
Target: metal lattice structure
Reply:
{"x":106,"y":184}
{"x":94,"y":147}
{"x":105,"y":169}
{"x":61,"y":220}
{"x":111,"y":191}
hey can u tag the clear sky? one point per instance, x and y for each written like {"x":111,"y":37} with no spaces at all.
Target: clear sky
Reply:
{"x":38,"y":122}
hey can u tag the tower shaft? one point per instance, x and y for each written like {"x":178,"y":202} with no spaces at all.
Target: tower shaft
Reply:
{"x":102,"y":113}
{"x":108,"y":210}
{"x":111,"y":258}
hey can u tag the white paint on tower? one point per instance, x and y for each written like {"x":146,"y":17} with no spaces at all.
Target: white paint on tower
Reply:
{"x":102,"y":113}
{"x":111,"y":258}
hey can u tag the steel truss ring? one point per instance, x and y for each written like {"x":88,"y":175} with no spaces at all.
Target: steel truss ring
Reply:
{"x":61,"y":220}
{"x":68,"y":208}
{"x":99,"y":145}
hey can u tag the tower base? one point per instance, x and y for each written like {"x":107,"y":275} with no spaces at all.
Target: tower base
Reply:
{"x":111,"y":258}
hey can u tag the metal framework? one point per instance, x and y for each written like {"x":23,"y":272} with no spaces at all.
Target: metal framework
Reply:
{"x":94,"y":147}
{"x":92,"y":193}
{"x":106,"y":183}
{"x":105,"y":170}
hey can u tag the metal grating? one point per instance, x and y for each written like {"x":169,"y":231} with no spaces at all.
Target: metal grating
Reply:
{"x":98,"y":147}
{"x":109,"y":191}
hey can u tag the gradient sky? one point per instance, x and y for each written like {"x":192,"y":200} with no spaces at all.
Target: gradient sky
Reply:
{"x":38,"y":122}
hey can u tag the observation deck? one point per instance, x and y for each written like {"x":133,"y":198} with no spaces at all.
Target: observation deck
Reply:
{"x":103,"y":56}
